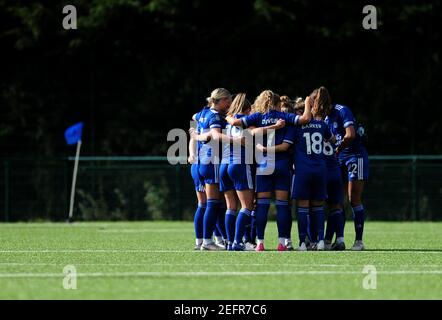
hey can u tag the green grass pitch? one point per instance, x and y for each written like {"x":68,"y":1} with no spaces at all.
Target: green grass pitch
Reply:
{"x":156,"y":260}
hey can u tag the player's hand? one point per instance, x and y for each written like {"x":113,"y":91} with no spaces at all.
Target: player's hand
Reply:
{"x":192,"y":131}
{"x":280,"y":124}
{"x":260,"y":147}
{"x":308,"y":101}
{"x":191,"y":159}
{"x":230,"y":119}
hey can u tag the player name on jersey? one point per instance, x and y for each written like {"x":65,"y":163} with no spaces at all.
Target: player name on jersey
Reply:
{"x":312,"y":125}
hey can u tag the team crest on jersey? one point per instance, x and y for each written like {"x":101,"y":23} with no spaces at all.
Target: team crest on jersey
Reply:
{"x":335,"y":125}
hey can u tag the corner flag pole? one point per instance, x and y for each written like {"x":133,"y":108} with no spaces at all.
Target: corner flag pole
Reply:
{"x":74,"y":180}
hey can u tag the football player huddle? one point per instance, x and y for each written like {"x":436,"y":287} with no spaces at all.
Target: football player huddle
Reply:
{"x":307,"y":152}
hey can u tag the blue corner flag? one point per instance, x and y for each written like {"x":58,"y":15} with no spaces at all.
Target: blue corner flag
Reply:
{"x":73,"y":133}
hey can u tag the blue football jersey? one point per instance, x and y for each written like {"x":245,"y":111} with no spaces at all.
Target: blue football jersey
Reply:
{"x":329,"y":150}
{"x":309,"y":144}
{"x":339,"y":119}
{"x":233,"y":153}
{"x":200,"y":118}
{"x":269,"y":118}
{"x":212,"y":119}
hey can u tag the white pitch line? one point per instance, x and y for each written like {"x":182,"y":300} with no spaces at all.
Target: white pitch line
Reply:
{"x":198,"y":252}
{"x":179,"y":264}
{"x":144,"y":230}
{"x":205,"y":274}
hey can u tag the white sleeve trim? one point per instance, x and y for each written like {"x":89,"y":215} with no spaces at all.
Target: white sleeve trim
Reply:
{"x":288,"y":141}
{"x":348,"y":123}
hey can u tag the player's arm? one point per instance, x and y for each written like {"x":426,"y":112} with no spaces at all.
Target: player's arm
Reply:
{"x":263,"y":130}
{"x":200,"y":137}
{"x":278,"y":148}
{"x":192,"y":151}
{"x":307,"y":115}
{"x":245,"y":122}
{"x":305,"y":118}
{"x":332,"y":139}
{"x":219,"y":136}
{"x":234,"y":122}
{"x":350,"y":133}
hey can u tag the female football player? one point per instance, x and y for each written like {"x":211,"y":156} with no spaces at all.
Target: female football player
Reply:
{"x":335,"y":195}
{"x":194,"y":148}
{"x":353,"y":160}
{"x":236,"y":179}
{"x":309,"y":188}
{"x":213,"y":122}
{"x":272,"y":169}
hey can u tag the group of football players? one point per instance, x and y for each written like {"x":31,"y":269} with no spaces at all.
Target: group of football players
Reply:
{"x":308,"y":152}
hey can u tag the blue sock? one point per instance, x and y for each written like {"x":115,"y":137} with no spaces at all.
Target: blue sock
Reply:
{"x":248,"y":230}
{"x":331,"y":224}
{"x":262,"y":210}
{"x":221,"y":219}
{"x":198,"y":220}
{"x":210,"y":217}
{"x":309,"y":235}
{"x":217,"y":231}
{"x":253,"y":227}
{"x":358,"y":217}
{"x":283,"y":218}
{"x":241,"y":222}
{"x":340,"y":223}
{"x":312,"y":231}
{"x":302,"y":223}
{"x":318,"y":212}
{"x":230,"y":225}
{"x":290,"y":223}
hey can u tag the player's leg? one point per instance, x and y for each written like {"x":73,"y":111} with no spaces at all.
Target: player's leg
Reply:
{"x":312,"y":232}
{"x":199,"y":218}
{"x":355,"y":189}
{"x":302,"y":211}
{"x":231,"y":216}
{"x":227,"y":187}
{"x":251,"y":243}
{"x":318,"y":195}
{"x":244,"y":216}
{"x":283,"y":212}
{"x":262,"y":210}
{"x":264,"y":187}
{"x":300,"y":192}
{"x":335,"y":200}
{"x":201,"y":208}
{"x":210,"y":174}
{"x":283,"y":218}
{"x":317,"y":210}
{"x":221,"y":237}
{"x":242,"y":177}
{"x":357,"y":173}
